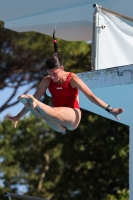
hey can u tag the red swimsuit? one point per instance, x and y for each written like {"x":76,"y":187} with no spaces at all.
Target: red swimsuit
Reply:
{"x":64,"y":95}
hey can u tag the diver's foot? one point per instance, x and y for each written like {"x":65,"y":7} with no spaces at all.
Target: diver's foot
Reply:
{"x":28,"y":98}
{"x":24,"y":101}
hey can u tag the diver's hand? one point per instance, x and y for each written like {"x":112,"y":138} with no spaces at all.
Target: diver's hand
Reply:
{"x":15,"y":119}
{"x":116,"y":112}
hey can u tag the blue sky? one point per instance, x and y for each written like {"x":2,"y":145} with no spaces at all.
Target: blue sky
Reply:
{"x":5,"y":94}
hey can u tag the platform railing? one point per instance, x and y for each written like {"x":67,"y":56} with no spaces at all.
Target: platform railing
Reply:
{"x":10,"y":195}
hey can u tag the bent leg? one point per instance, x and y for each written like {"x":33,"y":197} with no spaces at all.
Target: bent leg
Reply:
{"x":53,"y":124}
{"x":67,"y":117}
{"x":29,"y":107}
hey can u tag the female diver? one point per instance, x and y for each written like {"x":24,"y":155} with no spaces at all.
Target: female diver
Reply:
{"x":64,"y":87}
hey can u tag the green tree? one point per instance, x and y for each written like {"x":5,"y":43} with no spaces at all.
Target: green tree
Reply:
{"x":88,"y":163}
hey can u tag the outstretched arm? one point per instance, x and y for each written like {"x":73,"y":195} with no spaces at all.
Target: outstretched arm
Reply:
{"x":38,"y":94}
{"x":76,"y":82}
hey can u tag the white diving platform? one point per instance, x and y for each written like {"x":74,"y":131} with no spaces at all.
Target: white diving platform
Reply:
{"x":115,"y":87}
{"x":74,"y":18}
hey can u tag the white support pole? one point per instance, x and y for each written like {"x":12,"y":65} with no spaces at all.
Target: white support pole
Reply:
{"x":130,"y":163}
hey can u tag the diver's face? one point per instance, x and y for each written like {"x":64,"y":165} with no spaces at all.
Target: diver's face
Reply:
{"x":55,"y":73}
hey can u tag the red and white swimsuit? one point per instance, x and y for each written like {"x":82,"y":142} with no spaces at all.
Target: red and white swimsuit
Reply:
{"x":64,"y":95}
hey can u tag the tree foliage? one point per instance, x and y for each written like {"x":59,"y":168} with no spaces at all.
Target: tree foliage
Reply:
{"x":90,"y":162}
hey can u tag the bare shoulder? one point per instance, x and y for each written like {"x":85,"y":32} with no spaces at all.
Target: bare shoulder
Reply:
{"x":77,"y":82}
{"x":45,"y":81}
{"x":74,"y":77}
{"x":42,"y":87}
{"x":74,"y":80}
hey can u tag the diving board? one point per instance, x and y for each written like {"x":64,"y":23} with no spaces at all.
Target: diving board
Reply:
{"x":74,"y":17}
